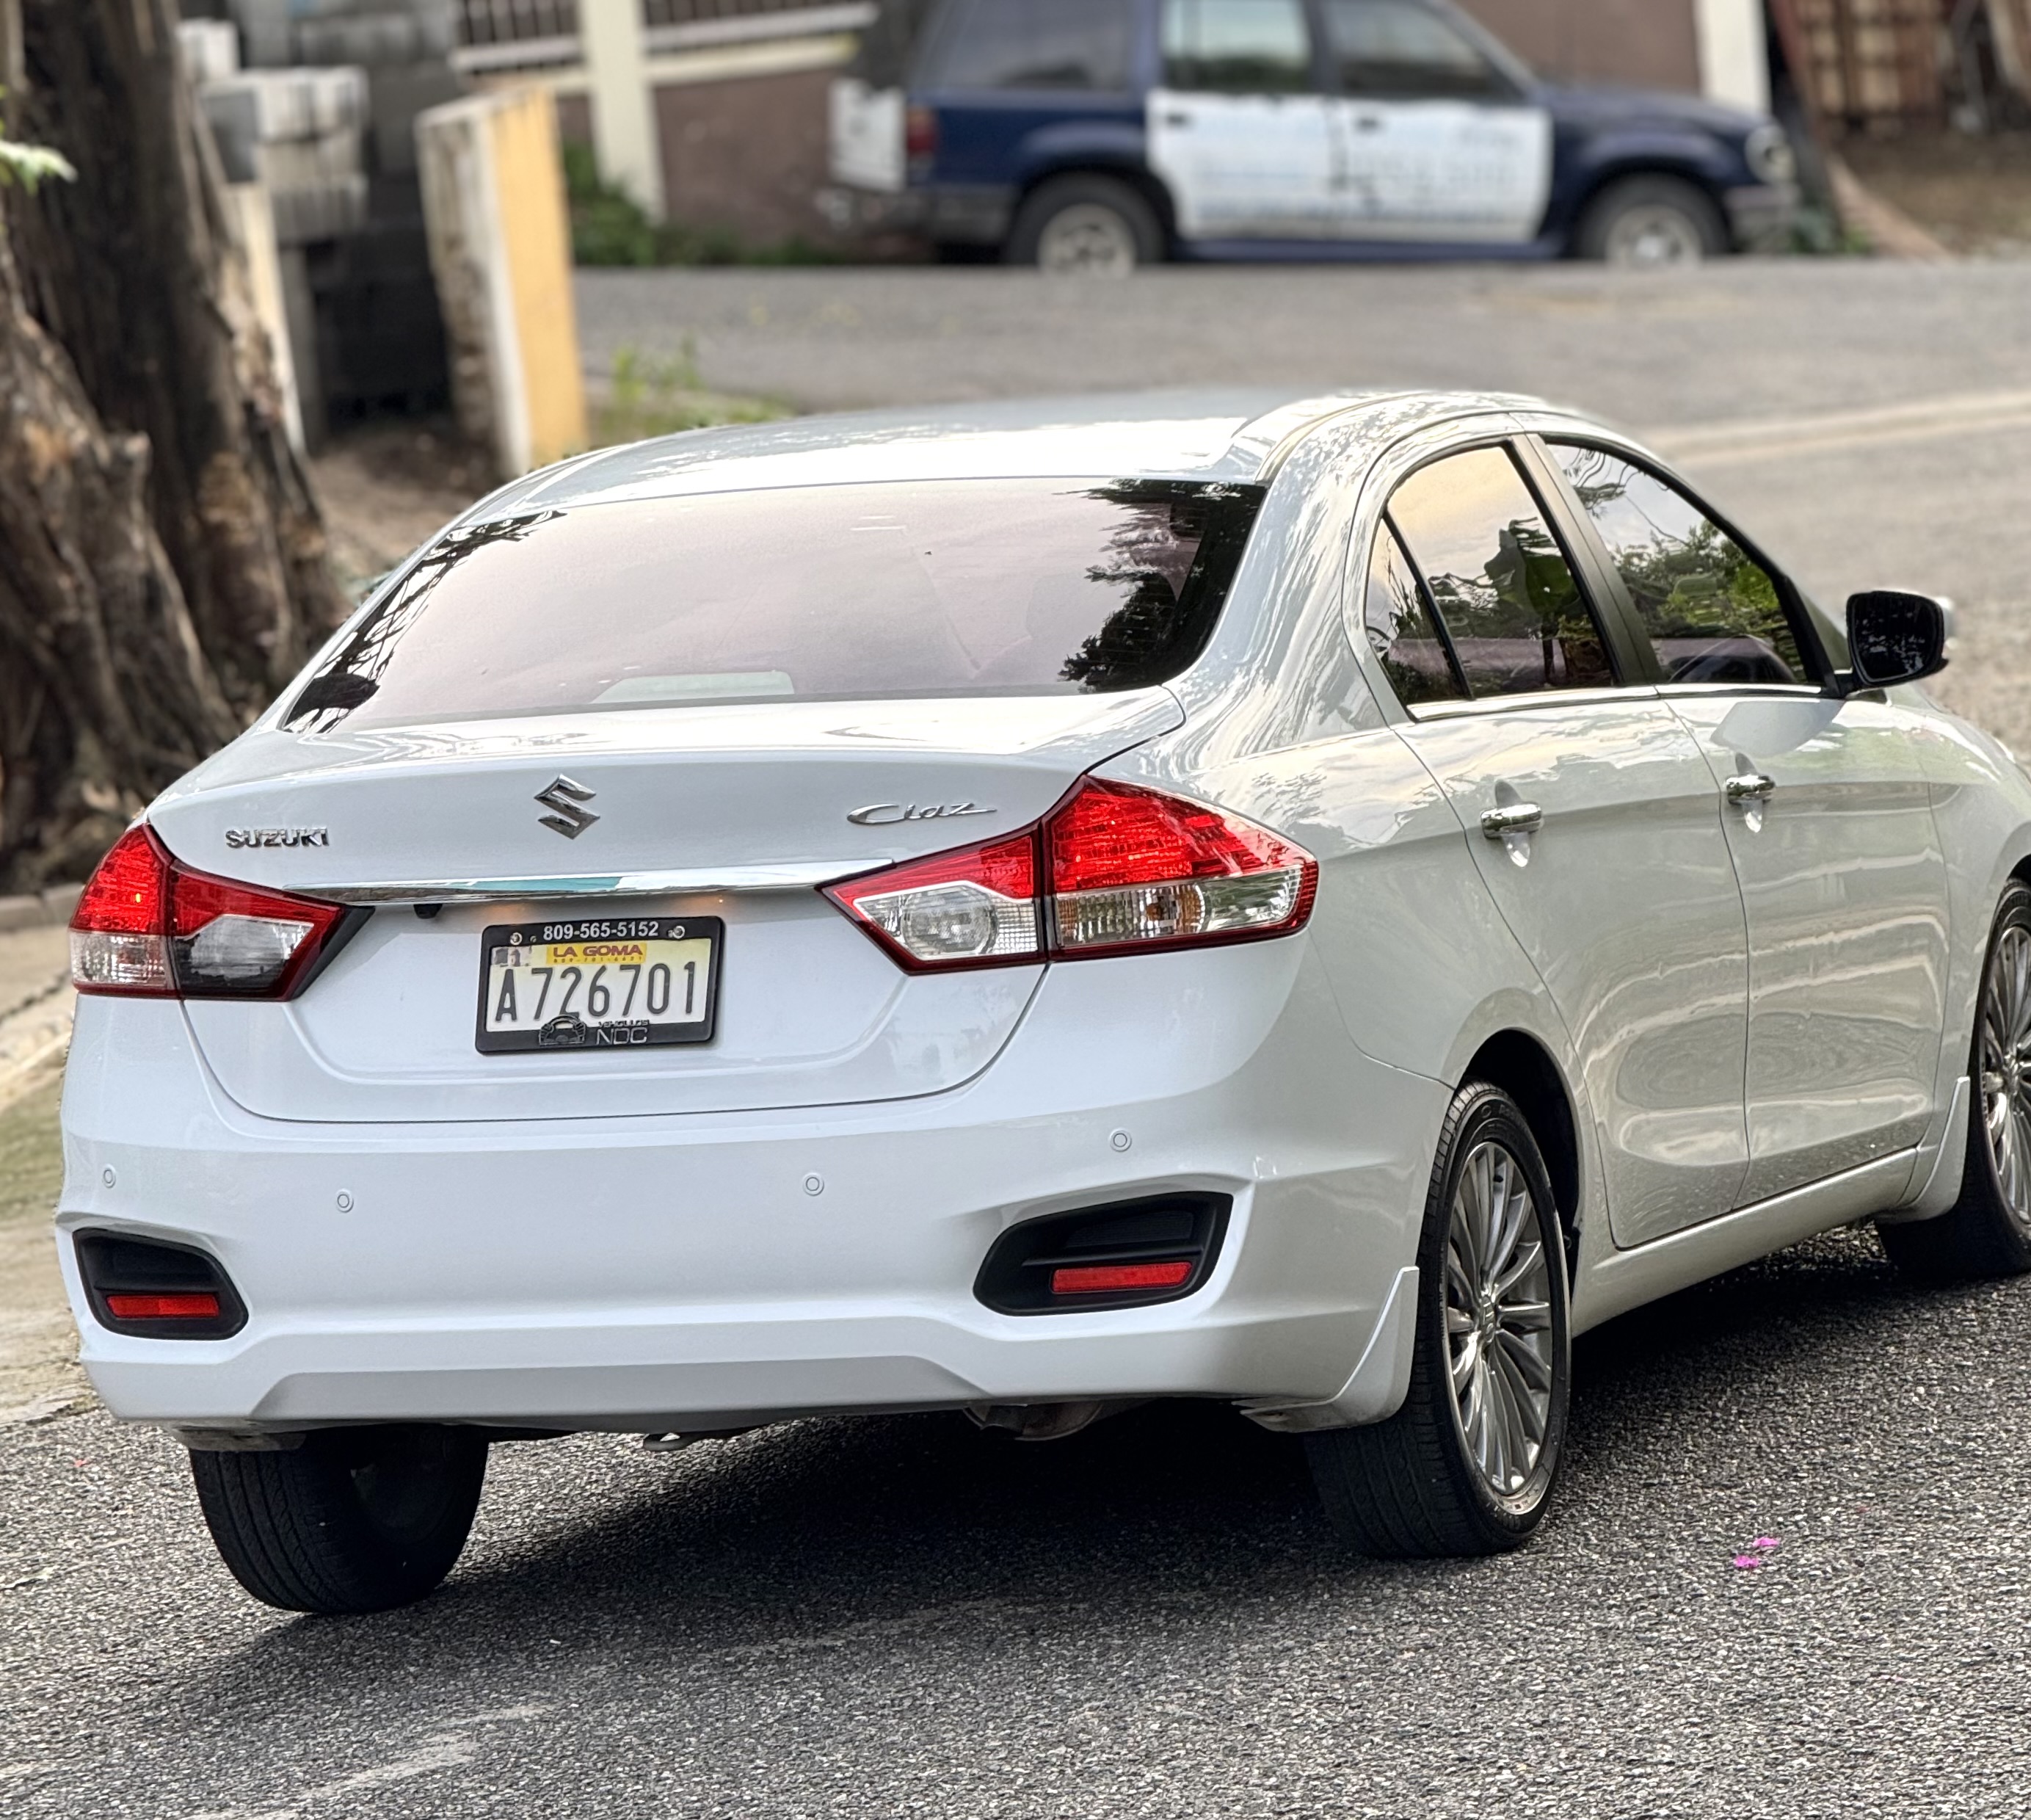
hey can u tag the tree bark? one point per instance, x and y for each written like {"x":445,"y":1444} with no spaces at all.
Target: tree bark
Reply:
{"x":162,"y":562}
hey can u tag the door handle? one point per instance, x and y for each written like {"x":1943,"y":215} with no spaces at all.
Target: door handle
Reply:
{"x":1750,"y":787}
{"x":1512,"y":818}
{"x":1368,"y":123}
{"x":1177,"y":120}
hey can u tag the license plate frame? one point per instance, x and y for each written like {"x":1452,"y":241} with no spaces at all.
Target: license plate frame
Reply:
{"x":569,"y":1034}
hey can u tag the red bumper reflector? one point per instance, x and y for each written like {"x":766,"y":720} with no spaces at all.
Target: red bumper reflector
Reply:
{"x":195,"y":1305}
{"x":1111,"y":1279}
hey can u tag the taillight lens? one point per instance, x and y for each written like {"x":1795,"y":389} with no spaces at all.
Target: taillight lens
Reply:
{"x":147,"y":926}
{"x":920,"y":134}
{"x":1113,"y":869}
{"x":1131,"y":868}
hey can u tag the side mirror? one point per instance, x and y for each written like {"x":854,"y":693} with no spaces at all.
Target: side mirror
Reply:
{"x":1894,"y":637}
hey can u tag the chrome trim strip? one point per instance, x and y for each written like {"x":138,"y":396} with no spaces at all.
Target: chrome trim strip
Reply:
{"x":1541,"y":700}
{"x":705,"y":880}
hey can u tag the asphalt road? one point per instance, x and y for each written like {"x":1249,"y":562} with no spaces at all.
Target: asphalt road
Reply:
{"x":908,"y":1618}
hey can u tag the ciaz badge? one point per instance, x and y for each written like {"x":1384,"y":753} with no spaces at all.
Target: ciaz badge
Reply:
{"x":886,"y":815}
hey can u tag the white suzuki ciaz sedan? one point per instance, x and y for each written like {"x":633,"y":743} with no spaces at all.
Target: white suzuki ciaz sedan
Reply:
{"x":1025,"y":910}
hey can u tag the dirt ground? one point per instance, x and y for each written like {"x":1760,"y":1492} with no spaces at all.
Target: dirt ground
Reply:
{"x":1972,"y":194}
{"x":387,"y":487}
{"x":39,"y":1376}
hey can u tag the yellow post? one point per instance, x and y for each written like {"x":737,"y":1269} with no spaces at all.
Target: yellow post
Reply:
{"x":500,"y":231}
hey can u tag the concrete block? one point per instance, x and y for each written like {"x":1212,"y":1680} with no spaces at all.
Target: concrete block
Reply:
{"x":319,"y":211}
{"x":398,"y":95}
{"x":500,"y":239}
{"x":210,"y":49}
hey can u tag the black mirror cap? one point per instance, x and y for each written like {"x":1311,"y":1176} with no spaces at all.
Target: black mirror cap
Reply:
{"x":1895,"y":637}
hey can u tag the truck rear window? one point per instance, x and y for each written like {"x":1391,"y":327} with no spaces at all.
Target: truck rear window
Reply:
{"x":1036,"y":44}
{"x":964,"y":587}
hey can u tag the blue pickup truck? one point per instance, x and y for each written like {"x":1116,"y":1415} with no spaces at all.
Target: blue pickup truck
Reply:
{"x":1102,"y":134}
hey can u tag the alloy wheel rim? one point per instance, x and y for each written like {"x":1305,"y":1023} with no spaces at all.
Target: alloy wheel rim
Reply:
{"x":1087,"y":238}
{"x":1499,"y":1340}
{"x":2006,"y":1069}
{"x":1652,"y":237}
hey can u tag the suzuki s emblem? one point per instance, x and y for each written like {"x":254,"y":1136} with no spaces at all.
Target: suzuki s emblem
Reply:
{"x":887,"y":814}
{"x":564,"y":796}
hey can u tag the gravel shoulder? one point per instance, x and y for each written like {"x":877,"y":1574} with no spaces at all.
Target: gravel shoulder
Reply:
{"x":39,"y":1378}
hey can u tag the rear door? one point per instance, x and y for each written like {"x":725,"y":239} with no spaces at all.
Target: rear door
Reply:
{"x":1594,"y":821}
{"x":1829,"y":821}
{"x":1434,"y":140}
{"x":1238,"y":128}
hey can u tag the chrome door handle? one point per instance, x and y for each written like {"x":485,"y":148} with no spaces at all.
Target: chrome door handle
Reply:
{"x":1512,"y":818}
{"x":1750,"y":787}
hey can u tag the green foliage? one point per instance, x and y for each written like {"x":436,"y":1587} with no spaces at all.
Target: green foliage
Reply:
{"x":653,"y":395}
{"x":609,"y":228}
{"x":29,"y":165}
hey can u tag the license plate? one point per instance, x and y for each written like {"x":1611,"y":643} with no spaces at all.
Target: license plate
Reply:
{"x":612,"y":983}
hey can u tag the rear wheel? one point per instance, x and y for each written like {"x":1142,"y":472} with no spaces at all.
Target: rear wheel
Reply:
{"x":355,"y":1520}
{"x":1986,"y":1232}
{"x":1650,"y":223}
{"x":1094,"y":226}
{"x":1467,"y":1465}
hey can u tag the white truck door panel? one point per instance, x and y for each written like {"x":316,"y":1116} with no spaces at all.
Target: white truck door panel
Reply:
{"x":1245,"y":166}
{"x":1441,"y":170}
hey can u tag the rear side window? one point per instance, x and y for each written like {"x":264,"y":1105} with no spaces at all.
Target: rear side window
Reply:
{"x":1400,"y":630}
{"x":1237,"y":46}
{"x":1387,"y":48}
{"x":1504,"y":591}
{"x":969,"y":587}
{"x":1712,"y":614}
{"x":1038,"y":44}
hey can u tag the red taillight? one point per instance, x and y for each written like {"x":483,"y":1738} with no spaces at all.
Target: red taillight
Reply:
{"x":1131,"y":868}
{"x":148,"y":925}
{"x":119,"y":935}
{"x":1113,"y":868}
{"x":920,"y":134}
{"x":974,"y":907}
{"x":1113,"y":1279}
{"x":190,"y":1305}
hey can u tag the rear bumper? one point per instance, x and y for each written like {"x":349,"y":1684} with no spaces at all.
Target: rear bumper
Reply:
{"x":952,"y":213}
{"x":712,"y":1272}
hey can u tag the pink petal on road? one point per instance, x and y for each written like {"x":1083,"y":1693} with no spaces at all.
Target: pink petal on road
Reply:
{"x":1749,"y":1561}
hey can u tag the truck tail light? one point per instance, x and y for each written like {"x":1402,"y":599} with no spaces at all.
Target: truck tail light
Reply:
{"x":147,"y":926}
{"x":1113,"y":869}
{"x":920,"y":135}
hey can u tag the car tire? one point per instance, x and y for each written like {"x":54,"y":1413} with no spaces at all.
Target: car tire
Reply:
{"x":355,"y":1520}
{"x":1092,"y":226}
{"x":1986,"y":1232}
{"x":1435,"y":1479}
{"x":1651,"y":223}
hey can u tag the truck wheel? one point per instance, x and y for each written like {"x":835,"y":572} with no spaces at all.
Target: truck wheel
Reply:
{"x":1650,"y":222}
{"x":1986,"y":1232}
{"x":1096,"y":226}
{"x":355,"y":1520}
{"x":1467,"y":1465}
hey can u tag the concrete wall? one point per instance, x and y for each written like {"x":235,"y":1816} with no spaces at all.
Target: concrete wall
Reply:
{"x":749,"y":155}
{"x":501,"y":249}
{"x":1653,"y":43}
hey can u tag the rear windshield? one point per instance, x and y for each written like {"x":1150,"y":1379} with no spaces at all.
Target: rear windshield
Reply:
{"x":967,"y":587}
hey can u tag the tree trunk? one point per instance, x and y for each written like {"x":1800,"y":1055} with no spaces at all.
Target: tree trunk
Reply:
{"x":163,"y":568}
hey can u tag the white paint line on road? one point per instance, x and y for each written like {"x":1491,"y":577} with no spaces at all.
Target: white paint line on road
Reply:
{"x":440,"y":1751}
{"x":1962,"y":414}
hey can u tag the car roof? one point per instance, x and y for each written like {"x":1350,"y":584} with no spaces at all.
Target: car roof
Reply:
{"x":1233,"y":436}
